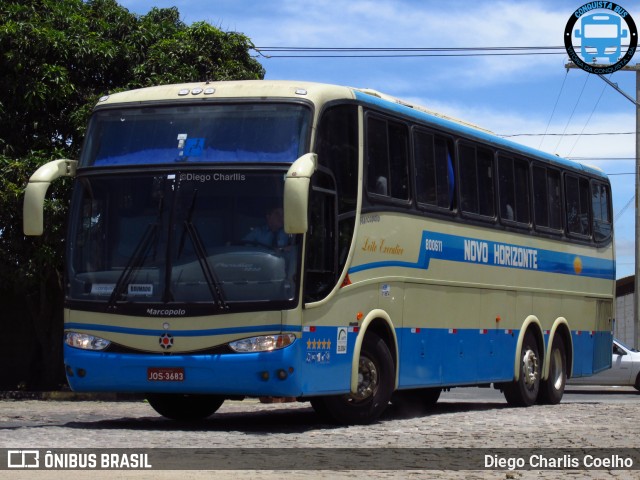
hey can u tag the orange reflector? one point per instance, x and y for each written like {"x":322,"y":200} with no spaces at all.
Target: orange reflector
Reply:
{"x":359,"y":316}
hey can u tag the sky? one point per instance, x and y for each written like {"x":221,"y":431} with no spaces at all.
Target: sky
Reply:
{"x":533,"y":99}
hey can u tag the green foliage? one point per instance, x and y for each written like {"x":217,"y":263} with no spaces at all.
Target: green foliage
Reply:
{"x":57,"y":57}
{"x":23,"y":262}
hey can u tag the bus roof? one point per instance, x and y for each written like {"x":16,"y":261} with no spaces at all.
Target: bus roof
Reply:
{"x":320,"y":93}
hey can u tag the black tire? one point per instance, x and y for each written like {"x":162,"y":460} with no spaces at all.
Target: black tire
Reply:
{"x":637,"y":384}
{"x":377,"y":372}
{"x":430,"y":396}
{"x":552,"y":389}
{"x":184,"y":408}
{"x":322,"y":410}
{"x":524,"y":391}
{"x":415,"y":402}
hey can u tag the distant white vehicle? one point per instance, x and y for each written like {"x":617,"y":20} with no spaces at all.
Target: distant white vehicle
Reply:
{"x":625,"y":369}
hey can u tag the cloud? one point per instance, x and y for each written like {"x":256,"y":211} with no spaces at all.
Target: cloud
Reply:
{"x":365,"y":23}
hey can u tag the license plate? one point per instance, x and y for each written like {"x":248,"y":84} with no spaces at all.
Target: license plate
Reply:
{"x":165,"y":374}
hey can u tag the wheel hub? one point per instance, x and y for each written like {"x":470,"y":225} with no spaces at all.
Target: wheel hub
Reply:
{"x":367,"y":379}
{"x":530,"y":370}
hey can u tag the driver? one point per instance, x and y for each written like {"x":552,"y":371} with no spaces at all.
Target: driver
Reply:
{"x":272,"y":234}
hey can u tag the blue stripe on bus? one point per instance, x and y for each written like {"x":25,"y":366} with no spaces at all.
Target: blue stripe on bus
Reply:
{"x":184,"y":333}
{"x":454,"y":248}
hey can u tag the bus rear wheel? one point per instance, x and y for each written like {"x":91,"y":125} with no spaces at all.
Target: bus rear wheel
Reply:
{"x":184,"y":407}
{"x":376,"y":372}
{"x":524,"y":391}
{"x":552,"y":389}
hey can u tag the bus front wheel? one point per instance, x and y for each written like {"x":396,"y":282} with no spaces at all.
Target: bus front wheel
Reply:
{"x":524,"y":391}
{"x":184,"y":407}
{"x":376,"y":372}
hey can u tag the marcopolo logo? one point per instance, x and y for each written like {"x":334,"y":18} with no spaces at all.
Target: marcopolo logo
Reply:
{"x":600,"y":37}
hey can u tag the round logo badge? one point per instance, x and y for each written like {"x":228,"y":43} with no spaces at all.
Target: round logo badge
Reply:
{"x":166,"y":341}
{"x":601,"y":37}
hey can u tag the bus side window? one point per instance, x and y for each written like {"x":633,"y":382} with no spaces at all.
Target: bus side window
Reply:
{"x":513,"y":188}
{"x":399,"y":161}
{"x":555,"y":199}
{"x":547,"y":198}
{"x":476,"y":180}
{"x":387,"y":158}
{"x":377,"y":160}
{"x":577,"y":198}
{"x":434,"y":170}
{"x":601,"y":206}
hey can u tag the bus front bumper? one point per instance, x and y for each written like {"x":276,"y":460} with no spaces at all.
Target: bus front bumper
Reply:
{"x":272,"y":373}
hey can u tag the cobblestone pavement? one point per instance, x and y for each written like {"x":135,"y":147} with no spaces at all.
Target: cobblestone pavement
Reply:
{"x":490,"y":424}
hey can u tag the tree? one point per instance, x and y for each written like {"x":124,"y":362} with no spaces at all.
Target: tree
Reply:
{"x":57,"y":57}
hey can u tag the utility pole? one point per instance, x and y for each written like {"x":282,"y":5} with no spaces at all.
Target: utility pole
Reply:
{"x":636,"y":298}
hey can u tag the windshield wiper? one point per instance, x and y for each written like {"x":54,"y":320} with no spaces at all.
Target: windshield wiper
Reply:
{"x":138,"y":257}
{"x":203,"y":259}
{"x":135,"y":262}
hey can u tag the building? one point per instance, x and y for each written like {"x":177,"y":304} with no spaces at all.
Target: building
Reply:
{"x":624,"y":327}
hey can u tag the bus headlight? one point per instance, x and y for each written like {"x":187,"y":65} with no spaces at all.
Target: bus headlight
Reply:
{"x":85,"y":341}
{"x":263,"y":343}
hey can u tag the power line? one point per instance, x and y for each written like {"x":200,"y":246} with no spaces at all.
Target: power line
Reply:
{"x":624,"y":209}
{"x":588,"y":120}
{"x":554,"y":108}
{"x":403,"y":49}
{"x":573,"y":111}
{"x":400,"y":52}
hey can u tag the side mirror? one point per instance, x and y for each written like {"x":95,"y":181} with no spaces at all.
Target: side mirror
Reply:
{"x":33,"y":207}
{"x":296,"y":193}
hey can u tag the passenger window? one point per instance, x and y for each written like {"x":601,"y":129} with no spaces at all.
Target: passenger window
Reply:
{"x":577,"y":207}
{"x":387,"y":158}
{"x":434,"y":170}
{"x":547,"y":197}
{"x":601,"y":206}
{"x":513,"y":188}
{"x":476,"y":180}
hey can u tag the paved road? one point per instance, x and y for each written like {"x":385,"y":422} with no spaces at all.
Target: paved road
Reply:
{"x":464,"y":418}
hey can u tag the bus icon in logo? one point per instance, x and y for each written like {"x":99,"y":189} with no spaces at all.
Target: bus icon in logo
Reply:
{"x":601,"y":36}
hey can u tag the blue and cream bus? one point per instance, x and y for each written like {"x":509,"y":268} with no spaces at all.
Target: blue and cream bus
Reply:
{"x":332,"y":244}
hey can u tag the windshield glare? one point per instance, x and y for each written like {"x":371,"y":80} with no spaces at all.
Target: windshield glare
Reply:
{"x":262,"y":132}
{"x":182,"y":237}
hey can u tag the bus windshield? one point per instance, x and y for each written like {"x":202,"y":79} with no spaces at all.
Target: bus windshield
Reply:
{"x":221,"y":133}
{"x":181,"y":237}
